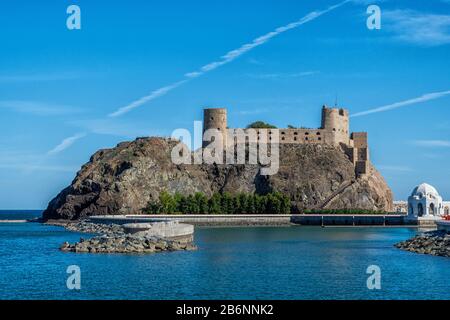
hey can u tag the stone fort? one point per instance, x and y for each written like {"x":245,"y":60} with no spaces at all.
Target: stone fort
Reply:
{"x":334,"y":131}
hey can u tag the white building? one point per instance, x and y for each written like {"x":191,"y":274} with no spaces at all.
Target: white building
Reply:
{"x":425,"y":201}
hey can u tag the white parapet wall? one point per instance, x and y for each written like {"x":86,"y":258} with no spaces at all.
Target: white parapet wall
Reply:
{"x":149,"y":227}
{"x":165,"y":229}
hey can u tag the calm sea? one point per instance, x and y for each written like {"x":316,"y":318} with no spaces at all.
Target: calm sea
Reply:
{"x":231,"y":263}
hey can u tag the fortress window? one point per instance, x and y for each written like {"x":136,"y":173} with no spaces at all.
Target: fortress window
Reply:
{"x":306,"y":139}
{"x":295,"y":133}
{"x":341,"y":112}
{"x":320,"y":138}
{"x":318,"y":133}
{"x":212,"y":118}
{"x":295,"y":138}
{"x":282,"y":138}
{"x":306,"y":133}
{"x":218,"y":129}
{"x":282,"y":132}
{"x":334,"y":129}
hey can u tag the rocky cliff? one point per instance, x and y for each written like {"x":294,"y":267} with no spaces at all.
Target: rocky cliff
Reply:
{"x":123,"y":179}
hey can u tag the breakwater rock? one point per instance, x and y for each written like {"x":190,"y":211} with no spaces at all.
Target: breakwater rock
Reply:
{"x":95,"y":228}
{"x":112,"y":238}
{"x":125,"y":244}
{"x":436,"y":243}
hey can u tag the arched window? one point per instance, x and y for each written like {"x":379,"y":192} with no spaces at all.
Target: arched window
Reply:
{"x":420,"y":210}
{"x":411,"y":210}
{"x":446,"y":210}
{"x":432,"y":209}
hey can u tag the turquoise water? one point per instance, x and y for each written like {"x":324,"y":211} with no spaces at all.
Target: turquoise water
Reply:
{"x":231,"y":263}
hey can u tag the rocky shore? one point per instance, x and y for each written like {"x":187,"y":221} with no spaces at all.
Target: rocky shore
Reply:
{"x":436,"y":243}
{"x":113,"y":239}
{"x":125,"y":244}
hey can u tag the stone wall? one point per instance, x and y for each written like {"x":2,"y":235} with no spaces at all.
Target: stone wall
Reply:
{"x":334,"y":131}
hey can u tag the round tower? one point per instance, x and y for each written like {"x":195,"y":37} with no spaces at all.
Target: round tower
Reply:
{"x":336,"y":122}
{"x":215,"y":118}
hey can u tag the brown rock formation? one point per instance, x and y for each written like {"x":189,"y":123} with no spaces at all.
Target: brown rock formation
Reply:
{"x":123,"y":179}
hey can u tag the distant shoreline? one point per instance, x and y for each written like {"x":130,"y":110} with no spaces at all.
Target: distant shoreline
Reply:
{"x":15,"y":221}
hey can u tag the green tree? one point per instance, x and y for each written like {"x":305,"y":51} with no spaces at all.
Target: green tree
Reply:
{"x":214,"y":204}
{"x":226,"y":203}
{"x":250,"y":205}
{"x":167,"y":203}
{"x":192,"y":206}
{"x":242,"y":201}
{"x":260,"y":125}
{"x":202,"y":203}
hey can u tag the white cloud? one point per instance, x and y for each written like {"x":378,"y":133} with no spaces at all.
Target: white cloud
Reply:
{"x":111,"y":127}
{"x":227,"y":58}
{"x":38,"y":167}
{"x":415,"y":27}
{"x":38,"y":108}
{"x":39,"y":77}
{"x":423,"y":98}
{"x":255,"y":62}
{"x":395,"y":168}
{"x":432,"y":143}
{"x":282,"y":75}
{"x":153,"y":95}
{"x":251,"y":112}
{"x":368,"y":2}
{"x":27,"y":162}
{"x":67,"y":142}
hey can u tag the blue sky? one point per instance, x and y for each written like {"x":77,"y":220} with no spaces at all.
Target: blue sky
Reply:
{"x":59,"y":87}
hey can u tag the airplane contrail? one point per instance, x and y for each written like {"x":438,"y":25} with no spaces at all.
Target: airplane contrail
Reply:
{"x":422,"y":98}
{"x":227,"y":58}
{"x":66,"y":143}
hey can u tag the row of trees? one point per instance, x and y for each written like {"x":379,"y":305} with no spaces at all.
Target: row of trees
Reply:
{"x":219,"y":203}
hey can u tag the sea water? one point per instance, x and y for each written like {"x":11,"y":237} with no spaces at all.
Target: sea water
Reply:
{"x":230,"y":263}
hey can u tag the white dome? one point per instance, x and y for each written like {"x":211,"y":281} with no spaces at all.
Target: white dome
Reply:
{"x":425,"y":190}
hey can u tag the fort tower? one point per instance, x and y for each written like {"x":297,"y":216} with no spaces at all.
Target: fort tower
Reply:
{"x":336,"y":122}
{"x":215,"y":118}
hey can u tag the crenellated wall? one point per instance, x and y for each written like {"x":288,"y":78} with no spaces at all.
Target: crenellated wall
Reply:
{"x":334,"y":130}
